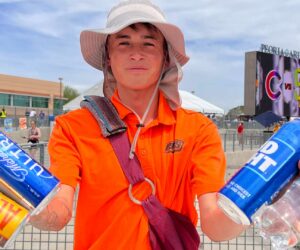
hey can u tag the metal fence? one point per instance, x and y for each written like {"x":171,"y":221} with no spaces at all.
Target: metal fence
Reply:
{"x":32,"y":238}
{"x":251,"y":139}
{"x":14,"y":123}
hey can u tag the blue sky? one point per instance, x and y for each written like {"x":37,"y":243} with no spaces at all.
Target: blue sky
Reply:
{"x":40,"y":39}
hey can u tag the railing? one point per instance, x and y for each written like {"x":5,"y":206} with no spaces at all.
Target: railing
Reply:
{"x":251,"y":139}
{"x":31,"y":238}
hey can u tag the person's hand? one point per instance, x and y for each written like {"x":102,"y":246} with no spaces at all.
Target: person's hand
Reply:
{"x":57,"y":213}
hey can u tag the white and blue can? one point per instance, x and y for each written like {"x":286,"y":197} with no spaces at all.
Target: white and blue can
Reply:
{"x":23,"y":179}
{"x":259,"y":181}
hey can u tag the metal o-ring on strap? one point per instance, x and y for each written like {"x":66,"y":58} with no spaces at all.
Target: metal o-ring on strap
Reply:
{"x":136,"y":201}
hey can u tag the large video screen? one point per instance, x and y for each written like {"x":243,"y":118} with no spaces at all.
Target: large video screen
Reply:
{"x":277,"y":84}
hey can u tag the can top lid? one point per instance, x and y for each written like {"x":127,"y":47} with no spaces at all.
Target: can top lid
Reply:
{"x":232,"y":210}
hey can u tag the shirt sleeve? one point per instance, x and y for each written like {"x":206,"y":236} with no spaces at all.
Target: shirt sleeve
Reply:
{"x":65,"y":161}
{"x":208,"y":161}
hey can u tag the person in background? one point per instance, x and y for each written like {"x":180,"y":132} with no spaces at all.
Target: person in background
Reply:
{"x":180,"y":151}
{"x":41,"y":118}
{"x":32,"y":114}
{"x":240,"y":133}
{"x":2,"y":116}
{"x":34,"y":135}
{"x":276,"y":127}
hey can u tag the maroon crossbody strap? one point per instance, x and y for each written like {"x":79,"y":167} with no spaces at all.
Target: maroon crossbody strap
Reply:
{"x":168,"y":230}
{"x":131,"y":168}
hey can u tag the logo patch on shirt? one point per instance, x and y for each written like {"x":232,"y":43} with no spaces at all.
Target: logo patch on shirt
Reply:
{"x":174,"y":146}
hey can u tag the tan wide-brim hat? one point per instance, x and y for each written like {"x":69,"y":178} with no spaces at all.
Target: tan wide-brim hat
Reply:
{"x":127,"y":13}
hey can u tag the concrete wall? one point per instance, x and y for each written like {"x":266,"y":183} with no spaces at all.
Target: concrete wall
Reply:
{"x":238,"y":158}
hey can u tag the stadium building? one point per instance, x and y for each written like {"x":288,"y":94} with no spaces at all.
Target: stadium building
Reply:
{"x":20,"y":95}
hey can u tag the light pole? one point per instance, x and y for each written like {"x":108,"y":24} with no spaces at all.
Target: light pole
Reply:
{"x":60,"y":92}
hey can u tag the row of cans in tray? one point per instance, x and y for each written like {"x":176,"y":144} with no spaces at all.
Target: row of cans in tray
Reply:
{"x":26,"y":187}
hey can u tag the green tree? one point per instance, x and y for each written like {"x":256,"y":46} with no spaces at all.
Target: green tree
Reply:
{"x":235,"y":112}
{"x":70,"y":93}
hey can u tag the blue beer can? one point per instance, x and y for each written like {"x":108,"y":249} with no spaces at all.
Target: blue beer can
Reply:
{"x":23,"y":179}
{"x":259,"y":181}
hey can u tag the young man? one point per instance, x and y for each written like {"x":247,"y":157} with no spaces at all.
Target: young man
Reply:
{"x":180,"y":151}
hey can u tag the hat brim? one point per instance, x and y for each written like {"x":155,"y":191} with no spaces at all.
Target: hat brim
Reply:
{"x":92,"y":41}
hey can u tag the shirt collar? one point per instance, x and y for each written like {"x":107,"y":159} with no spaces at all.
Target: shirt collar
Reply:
{"x":165,"y":114}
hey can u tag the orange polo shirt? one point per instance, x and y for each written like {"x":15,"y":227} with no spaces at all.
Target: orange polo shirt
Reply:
{"x":180,"y":152}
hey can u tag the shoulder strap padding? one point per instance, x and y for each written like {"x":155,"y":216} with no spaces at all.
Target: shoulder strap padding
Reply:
{"x":105,"y":113}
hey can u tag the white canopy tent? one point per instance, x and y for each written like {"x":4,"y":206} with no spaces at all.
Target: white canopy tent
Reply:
{"x":193,"y":102}
{"x":189,"y":101}
{"x":75,"y":103}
